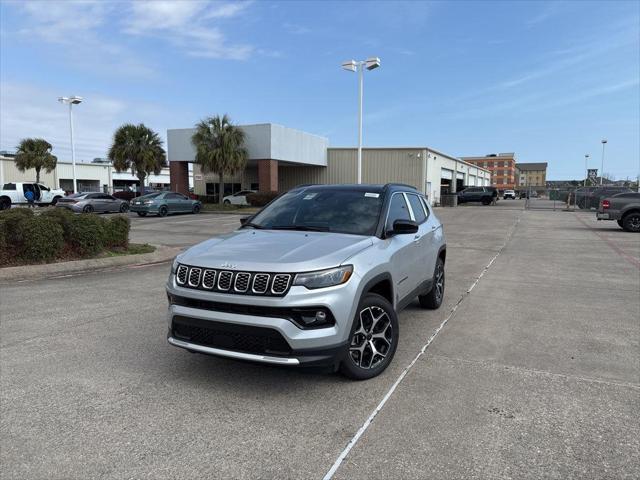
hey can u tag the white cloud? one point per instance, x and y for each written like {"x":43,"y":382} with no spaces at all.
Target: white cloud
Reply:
{"x":189,"y":25}
{"x":29,"y":111}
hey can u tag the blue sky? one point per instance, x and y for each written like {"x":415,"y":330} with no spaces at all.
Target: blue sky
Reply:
{"x":546,"y":80}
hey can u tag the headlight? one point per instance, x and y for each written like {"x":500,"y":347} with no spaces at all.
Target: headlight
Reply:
{"x":324,"y":278}
{"x":174,"y":265}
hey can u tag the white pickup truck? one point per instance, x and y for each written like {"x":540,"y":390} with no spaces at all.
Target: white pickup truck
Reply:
{"x":13,"y":194}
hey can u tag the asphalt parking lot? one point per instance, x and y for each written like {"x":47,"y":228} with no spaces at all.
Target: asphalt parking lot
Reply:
{"x":531,"y":370}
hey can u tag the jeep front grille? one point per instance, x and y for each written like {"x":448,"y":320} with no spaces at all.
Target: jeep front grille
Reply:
{"x":248,"y":283}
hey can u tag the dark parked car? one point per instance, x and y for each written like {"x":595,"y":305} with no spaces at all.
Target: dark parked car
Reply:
{"x":89,"y":202}
{"x":622,"y":207}
{"x":164,"y":203}
{"x":589,"y":197}
{"x":484,"y":195}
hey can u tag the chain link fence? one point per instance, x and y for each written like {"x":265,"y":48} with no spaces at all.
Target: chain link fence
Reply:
{"x":572,"y":199}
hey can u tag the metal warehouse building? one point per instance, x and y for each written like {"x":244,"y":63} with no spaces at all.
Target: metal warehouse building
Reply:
{"x":281,"y":158}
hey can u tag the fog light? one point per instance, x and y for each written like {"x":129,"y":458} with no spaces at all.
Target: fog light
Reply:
{"x":321,"y":316}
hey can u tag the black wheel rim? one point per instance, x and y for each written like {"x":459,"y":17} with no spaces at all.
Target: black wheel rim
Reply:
{"x":163,"y":211}
{"x":371,"y":342}
{"x":439,"y":285}
{"x":634,"y":222}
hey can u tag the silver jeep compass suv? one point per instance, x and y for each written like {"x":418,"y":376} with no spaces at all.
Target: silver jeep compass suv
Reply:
{"x":316,"y":278}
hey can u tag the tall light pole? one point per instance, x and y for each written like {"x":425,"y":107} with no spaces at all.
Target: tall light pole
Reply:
{"x":73,"y":100}
{"x":586,"y":168}
{"x":604,"y":141}
{"x":359,"y":66}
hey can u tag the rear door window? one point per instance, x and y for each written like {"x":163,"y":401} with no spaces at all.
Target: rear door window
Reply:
{"x":417,"y":208}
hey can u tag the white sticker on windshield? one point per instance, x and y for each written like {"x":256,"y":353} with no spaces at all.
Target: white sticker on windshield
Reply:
{"x":309,"y":196}
{"x":372,"y":195}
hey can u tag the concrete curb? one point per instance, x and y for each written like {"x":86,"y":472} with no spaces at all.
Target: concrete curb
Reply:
{"x":32,"y":272}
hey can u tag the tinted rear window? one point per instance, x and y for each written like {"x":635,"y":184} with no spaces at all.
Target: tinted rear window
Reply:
{"x":9,"y":186}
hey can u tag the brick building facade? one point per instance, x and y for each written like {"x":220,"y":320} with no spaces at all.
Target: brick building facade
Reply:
{"x":502,"y":167}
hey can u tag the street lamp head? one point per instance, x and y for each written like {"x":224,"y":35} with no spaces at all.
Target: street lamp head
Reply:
{"x":372,"y":63}
{"x":73,"y":100}
{"x":586,"y":155}
{"x":604,"y":140}
{"x":350,"y":65}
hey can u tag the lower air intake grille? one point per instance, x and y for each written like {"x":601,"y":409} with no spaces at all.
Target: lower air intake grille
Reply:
{"x":237,"y":338}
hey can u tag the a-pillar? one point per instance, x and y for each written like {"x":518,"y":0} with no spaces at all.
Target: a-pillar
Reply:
{"x":179,"y":176}
{"x":268,"y":175}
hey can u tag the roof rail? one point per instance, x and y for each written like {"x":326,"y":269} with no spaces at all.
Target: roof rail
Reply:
{"x":394,"y":184}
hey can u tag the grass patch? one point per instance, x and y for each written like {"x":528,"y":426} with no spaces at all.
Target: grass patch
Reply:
{"x":134,"y":249}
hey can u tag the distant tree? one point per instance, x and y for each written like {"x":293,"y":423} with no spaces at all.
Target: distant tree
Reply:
{"x":35,"y":153}
{"x":139,"y":149}
{"x":219,"y":148}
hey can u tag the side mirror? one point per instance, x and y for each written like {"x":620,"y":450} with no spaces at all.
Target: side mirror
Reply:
{"x":404,"y":226}
{"x":244,"y":220}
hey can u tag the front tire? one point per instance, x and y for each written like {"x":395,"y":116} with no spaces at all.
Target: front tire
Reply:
{"x":163,"y":211}
{"x":631,"y":222}
{"x":373,"y":339}
{"x":55,"y":200}
{"x":87,"y":209}
{"x":227,"y":202}
{"x":196,"y":209}
{"x":486,"y":201}
{"x":434,"y":298}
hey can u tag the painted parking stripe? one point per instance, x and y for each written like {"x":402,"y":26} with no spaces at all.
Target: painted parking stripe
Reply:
{"x":334,"y":468}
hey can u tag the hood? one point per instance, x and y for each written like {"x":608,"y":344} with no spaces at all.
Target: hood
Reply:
{"x":275,"y":251}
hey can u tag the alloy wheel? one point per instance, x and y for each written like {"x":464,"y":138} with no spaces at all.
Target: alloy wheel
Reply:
{"x":439,"y":286}
{"x":371,"y":342}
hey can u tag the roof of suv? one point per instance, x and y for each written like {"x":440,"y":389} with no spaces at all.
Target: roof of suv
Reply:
{"x":364,"y":187}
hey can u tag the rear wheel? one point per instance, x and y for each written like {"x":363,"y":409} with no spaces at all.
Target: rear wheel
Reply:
{"x":87,"y":209}
{"x":124,"y":208}
{"x":433,"y":299}
{"x":5,"y":203}
{"x":631,"y":222}
{"x":163,"y":211}
{"x":373,"y":340}
{"x":142,"y":214}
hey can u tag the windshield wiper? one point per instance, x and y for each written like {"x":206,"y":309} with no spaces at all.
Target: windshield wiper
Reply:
{"x":303,"y":228}
{"x":254,"y":225}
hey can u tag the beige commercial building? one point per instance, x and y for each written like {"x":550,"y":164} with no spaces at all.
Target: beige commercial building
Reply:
{"x":531,"y":174}
{"x":281,"y":158}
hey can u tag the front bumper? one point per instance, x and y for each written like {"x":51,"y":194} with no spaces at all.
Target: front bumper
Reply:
{"x":323,"y":346}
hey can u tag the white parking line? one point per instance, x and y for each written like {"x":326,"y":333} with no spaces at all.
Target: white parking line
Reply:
{"x":334,"y":468}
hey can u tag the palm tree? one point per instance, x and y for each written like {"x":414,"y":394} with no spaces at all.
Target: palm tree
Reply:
{"x":139,"y":149}
{"x":219,"y":148}
{"x":35,"y":153}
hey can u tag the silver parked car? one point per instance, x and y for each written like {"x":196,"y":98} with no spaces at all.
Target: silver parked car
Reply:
{"x":88,"y":202}
{"x":315,"y":278}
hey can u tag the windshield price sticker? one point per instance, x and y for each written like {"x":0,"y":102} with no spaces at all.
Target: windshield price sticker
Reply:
{"x":372,"y":195}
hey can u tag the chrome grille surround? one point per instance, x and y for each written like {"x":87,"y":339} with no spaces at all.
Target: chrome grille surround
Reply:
{"x":194,"y":276}
{"x":209,"y":279}
{"x":280,"y":283}
{"x":241,"y":284}
{"x":225,"y":280}
{"x":181,"y":274}
{"x":230,"y":282}
{"x":260,"y":283}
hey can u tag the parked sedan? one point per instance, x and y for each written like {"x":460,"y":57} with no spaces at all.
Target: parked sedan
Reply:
{"x":88,"y":202}
{"x":238,"y":198}
{"x":164,"y":203}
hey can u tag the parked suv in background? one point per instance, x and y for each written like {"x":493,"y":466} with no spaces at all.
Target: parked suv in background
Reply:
{"x":485,"y":195}
{"x":622,"y":207}
{"x":509,"y":194}
{"x":315,"y":278}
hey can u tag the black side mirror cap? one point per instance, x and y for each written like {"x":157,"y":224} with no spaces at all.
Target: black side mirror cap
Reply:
{"x":244,"y":220}
{"x":404,"y":226}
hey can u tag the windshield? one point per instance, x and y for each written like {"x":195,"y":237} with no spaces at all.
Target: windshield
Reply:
{"x":343,"y":211}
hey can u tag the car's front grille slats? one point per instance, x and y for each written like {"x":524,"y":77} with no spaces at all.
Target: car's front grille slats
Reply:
{"x":226,"y":281}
